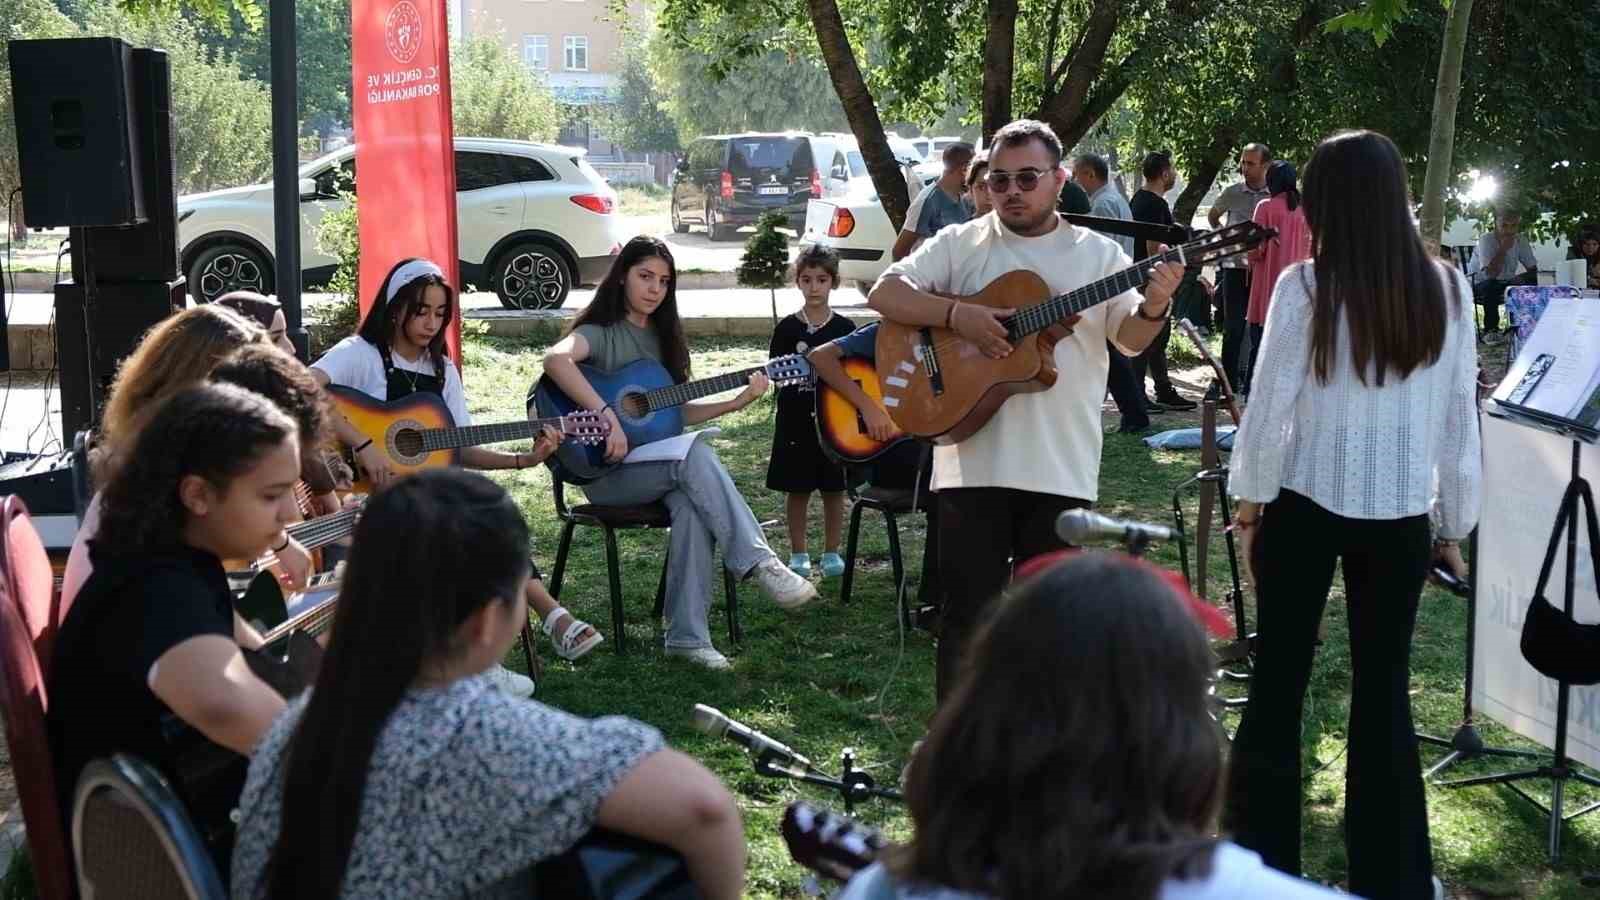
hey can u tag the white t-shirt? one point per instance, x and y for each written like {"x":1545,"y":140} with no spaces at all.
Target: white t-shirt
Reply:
{"x":1236,"y":874}
{"x":1049,"y":441}
{"x":355,"y":363}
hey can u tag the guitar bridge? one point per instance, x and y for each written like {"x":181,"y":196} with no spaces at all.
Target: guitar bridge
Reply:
{"x":928,"y":355}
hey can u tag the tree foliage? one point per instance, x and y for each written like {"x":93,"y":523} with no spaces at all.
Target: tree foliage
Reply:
{"x":639,"y":120}
{"x":322,"y":56}
{"x":768,"y":90}
{"x":766,"y":258}
{"x":221,"y":116}
{"x":494,"y":95}
{"x":21,"y":19}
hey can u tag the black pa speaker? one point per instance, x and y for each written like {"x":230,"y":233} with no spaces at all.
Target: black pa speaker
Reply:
{"x":77,"y":132}
{"x":147,"y":251}
{"x":91,"y":342}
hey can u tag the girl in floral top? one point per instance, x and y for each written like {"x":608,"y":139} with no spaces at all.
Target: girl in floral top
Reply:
{"x":404,"y":773}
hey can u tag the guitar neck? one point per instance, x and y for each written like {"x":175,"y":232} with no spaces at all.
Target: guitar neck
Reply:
{"x":325,"y":530}
{"x":434,"y":439}
{"x":679,"y":394}
{"x":313,"y":621}
{"x":1042,"y":315}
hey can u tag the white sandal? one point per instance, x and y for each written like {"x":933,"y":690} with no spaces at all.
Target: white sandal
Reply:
{"x":569,"y":646}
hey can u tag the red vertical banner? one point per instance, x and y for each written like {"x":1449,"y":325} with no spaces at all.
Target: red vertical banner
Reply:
{"x":405,"y":141}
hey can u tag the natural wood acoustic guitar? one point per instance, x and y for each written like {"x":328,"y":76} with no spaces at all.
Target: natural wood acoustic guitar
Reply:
{"x":940,"y":386}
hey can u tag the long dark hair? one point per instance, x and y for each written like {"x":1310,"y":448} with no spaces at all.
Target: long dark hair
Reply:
{"x":610,"y":303}
{"x":1075,"y":756}
{"x":1281,"y":179}
{"x":1371,"y":266}
{"x":215,"y":431}
{"x":428,"y":552}
{"x":385,"y":318}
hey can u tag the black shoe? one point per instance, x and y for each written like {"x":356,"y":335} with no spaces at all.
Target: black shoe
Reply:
{"x":1175,"y":401}
{"x":1155,"y":406}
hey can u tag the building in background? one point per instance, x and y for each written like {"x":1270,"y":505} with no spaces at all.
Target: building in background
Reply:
{"x":574,"y":44}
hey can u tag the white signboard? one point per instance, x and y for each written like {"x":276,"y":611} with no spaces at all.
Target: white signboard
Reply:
{"x":1525,"y":471}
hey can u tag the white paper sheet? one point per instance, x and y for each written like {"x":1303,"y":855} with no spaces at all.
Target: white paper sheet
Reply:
{"x":672,"y":449}
{"x":1569,"y":331}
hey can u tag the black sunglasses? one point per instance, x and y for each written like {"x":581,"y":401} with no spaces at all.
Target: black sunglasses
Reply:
{"x":1027,"y":180}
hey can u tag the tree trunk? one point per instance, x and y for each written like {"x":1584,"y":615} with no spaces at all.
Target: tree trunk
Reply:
{"x":1223,"y":137}
{"x":998,"y":57}
{"x":1442,"y":138}
{"x":1066,"y":108}
{"x":859,"y":109}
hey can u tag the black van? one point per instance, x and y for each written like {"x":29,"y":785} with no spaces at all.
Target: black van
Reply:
{"x":728,"y":181}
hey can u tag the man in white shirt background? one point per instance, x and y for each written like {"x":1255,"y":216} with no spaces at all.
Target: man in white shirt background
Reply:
{"x":1000,"y":490}
{"x":1494,"y":267}
{"x":1237,"y":203}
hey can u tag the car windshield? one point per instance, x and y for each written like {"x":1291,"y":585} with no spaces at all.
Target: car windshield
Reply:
{"x":752,"y":154}
{"x":858,"y":166}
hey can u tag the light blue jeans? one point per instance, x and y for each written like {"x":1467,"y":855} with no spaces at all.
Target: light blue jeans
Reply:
{"x":707,"y":510}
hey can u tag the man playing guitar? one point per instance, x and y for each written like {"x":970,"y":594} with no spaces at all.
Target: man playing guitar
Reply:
{"x":1000,"y":490}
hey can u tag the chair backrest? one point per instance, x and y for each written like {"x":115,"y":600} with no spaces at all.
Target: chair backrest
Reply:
{"x":132,"y":839}
{"x":27,"y":629}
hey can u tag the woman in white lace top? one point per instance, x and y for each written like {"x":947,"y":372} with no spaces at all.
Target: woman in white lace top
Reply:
{"x":1362,"y":425}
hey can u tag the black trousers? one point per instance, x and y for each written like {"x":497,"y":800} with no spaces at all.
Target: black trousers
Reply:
{"x":1126,"y":389}
{"x":1491,"y":293}
{"x":1386,"y":818}
{"x":1255,"y":350}
{"x":1235,"y":303}
{"x":1154,"y":361}
{"x":982,"y":531}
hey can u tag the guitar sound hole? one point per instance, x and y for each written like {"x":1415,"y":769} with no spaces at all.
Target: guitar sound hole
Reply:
{"x":408,"y":442}
{"x":632,"y":405}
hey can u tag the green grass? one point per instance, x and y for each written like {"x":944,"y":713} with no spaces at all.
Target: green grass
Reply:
{"x":642,"y":199}
{"x":834,"y":676}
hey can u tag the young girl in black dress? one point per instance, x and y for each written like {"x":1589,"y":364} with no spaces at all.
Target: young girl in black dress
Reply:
{"x":797,"y":465}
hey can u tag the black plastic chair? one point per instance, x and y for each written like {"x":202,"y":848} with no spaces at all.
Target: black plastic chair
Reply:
{"x":611,"y":519}
{"x":892,"y":503}
{"x":133,"y":840}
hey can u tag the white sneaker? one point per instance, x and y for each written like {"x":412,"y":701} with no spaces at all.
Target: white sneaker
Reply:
{"x":782,"y":585}
{"x":708,"y":657}
{"x":510,"y":683}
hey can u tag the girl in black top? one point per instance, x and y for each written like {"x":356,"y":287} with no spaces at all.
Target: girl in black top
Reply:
{"x":152,"y":636}
{"x":798,"y":466}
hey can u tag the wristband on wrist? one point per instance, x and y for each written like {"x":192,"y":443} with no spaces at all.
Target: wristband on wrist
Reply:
{"x":1139,"y":311}
{"x":950,"y":314}
{"x":364,"y":445}
{"x":283,"y":546}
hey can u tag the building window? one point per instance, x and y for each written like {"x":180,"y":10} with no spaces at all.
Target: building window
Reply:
{"x":577,"y":47}
{"x":536,"y":51}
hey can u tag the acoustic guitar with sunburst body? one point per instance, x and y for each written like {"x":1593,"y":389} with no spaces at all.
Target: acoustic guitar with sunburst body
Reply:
{"x":417,"y":432}
{"x":939,"y":386}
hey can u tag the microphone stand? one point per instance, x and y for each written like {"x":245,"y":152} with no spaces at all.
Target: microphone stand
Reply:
{"x":853,"y":784}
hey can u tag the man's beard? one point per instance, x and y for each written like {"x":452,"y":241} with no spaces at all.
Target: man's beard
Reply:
{"x":1032,"y":224}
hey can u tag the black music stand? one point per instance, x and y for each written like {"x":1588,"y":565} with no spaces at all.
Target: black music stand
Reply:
{"x":1466,"y":743}
{"x":1559,"y":769}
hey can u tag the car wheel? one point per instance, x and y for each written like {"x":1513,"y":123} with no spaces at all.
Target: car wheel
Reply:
{"x":715,"y":229}
{"x":228,"y":267}
{"x":678,"y":227}
{"x":532,"y":276}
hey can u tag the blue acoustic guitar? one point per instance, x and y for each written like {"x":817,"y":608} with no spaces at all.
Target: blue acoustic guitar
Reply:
{"x":646,"y":402}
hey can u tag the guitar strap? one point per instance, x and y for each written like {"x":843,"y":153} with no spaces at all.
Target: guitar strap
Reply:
{"x":401,"y":383}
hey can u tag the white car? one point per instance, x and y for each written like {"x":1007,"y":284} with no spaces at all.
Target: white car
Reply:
{"x":533,"y":221}
{"x":857,"y":228}
{"x":932,"y":148}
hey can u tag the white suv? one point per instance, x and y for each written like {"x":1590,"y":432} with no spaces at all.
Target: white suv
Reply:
{"x":534,"y":220}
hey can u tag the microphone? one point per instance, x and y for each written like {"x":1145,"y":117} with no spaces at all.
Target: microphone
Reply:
{"x":1079,"y":526}
{"x":711,"y":721}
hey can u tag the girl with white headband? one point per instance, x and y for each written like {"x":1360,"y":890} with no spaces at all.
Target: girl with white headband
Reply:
{"x":398,"y":350}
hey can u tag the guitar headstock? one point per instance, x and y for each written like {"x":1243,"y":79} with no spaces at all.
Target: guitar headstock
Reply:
{"x":1215,"y":246}
{"x":585,"y":426}
{"x":787,"y":370}
{"x":828,"y":843}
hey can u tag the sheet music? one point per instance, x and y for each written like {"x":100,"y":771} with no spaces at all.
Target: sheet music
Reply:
{"x":672,"y":449}
{"x":1565,"y":345}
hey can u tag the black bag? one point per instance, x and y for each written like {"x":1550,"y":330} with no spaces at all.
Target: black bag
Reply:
{"x":1552,"y":642}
